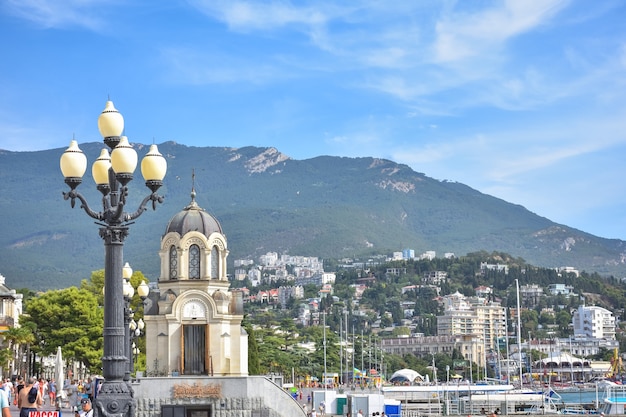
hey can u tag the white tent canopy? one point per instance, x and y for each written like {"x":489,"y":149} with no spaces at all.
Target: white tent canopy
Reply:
{"x":406,"y":375}
{"x":562,"y":359}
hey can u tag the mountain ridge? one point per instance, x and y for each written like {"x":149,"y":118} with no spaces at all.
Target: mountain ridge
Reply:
{"x":326,"y":206}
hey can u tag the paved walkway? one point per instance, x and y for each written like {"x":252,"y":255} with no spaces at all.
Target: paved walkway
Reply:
{"x":66,"y":412}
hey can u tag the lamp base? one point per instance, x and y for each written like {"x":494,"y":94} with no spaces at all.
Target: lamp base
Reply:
{"x":115,"y":399}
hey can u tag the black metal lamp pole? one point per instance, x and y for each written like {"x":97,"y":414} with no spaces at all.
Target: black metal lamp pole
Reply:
{"x":112,"y":174}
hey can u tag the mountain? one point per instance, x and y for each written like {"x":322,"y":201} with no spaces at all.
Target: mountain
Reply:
{"x":330,"y":207}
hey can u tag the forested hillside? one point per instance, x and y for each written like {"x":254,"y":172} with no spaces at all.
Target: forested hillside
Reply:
{"x":328,"y":207}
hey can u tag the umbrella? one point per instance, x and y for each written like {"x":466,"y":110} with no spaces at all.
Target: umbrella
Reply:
{"x":58,"y":374}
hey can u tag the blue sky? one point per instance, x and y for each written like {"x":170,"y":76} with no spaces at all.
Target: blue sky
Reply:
{"x":523,"y":100}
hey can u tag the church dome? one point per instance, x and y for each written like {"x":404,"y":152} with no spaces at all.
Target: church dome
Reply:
{"x":193,"y":219}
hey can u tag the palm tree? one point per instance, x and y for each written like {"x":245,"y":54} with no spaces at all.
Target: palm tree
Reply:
{"x":18,"y":339}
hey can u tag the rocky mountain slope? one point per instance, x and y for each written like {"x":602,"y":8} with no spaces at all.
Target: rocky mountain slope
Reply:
{"x":325,"y":206}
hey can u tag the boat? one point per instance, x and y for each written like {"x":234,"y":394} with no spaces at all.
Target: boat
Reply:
{"x":470,"y":399}
{"x":574,"y":409}
{"x":614,"y":399}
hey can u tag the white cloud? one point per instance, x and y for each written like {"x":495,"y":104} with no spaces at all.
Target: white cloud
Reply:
{"x":57,"y":14}
{"x":248,"y":15}
{"x":462,"y":35}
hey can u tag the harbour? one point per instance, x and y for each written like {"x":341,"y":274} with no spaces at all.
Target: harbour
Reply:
{"x":473,"y":400}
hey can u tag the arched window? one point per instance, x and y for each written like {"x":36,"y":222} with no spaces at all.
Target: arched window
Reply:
{"x":215,"y":263}
{"x":173,"y":262}
{"x":194,"y":262}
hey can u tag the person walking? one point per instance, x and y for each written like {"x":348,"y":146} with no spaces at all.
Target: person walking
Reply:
{"x":8,"y":388}
{"x":72,"y":395}
{"x":28,"y":401}
{"x":52,"y":391}
{"x":5,"y":404}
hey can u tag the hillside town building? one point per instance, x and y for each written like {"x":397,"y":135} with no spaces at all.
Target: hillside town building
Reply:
{"x":593,"y":322}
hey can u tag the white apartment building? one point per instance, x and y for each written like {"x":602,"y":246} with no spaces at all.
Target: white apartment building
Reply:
{"x":594,"y":322}
{"x":556,"y":289}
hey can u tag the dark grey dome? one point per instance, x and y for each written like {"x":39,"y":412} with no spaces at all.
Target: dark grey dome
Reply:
{"x":193,"y":219}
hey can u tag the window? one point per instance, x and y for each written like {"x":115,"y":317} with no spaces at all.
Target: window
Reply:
{"x":215,"y":263}
{"x":194,"y":262}
{"x":173,"y":262}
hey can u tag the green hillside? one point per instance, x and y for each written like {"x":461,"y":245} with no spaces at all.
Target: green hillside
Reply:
{"x":329,"y":207}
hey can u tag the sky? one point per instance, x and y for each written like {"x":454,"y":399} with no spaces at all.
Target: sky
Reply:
{"x":522,"y":100}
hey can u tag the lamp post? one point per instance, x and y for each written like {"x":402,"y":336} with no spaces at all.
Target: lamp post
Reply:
{"x":135,"y":352}
{"x":132,"y":329}
{"x":111,"y":174}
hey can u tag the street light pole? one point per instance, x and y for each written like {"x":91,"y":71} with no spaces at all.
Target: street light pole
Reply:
{"x":111,"y":175}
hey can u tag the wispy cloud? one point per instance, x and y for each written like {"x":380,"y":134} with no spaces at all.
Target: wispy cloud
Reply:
{"x":190,"y":66}
{"x":257,"y":15}
{"x":90,"y":14}
{"x":466,"y":34}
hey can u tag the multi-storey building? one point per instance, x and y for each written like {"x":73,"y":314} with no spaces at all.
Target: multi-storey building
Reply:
{"x":285,"y":293}
{"x":595,"y":322}
{"x":484,"y":266}
{"x":10,"y":306}
{"x":530,"y":294}
{"x":472,"y":316}
{"x":434,"y":277}
{"x":468,"y":345}
{"x":556,"y":289}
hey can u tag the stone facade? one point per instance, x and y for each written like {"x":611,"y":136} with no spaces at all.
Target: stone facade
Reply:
{"x":253,"y":396}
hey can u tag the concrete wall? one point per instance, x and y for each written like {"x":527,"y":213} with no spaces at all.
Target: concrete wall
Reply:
{"x":253,"y":396}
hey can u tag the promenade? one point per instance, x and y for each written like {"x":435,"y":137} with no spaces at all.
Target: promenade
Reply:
{"x":66,"y":412}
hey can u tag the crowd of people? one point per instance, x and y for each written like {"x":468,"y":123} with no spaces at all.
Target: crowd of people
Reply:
{"x":32,"y":394}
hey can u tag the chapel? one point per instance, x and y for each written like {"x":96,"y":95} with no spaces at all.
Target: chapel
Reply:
{"x":193,"y":319}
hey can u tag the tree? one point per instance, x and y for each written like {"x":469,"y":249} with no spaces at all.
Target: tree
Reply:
{"x":70,"y":318}
{"x":18,"y":339}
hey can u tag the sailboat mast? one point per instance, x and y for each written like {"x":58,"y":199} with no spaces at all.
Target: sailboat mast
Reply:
{"x":519,"y":333}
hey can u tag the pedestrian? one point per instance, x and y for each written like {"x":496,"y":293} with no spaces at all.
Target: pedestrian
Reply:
{"x":86,"y":410}
{"x":52,"y":391}
{"x":43,"y":390}
{"x":360,"y":413}
{"x":18,"y":387}
{"x":4,"y":405}
{"x":8,"y":388}
{"x":89,"y":388}
{"x":72,"y":395}
{"x":28,"y":401}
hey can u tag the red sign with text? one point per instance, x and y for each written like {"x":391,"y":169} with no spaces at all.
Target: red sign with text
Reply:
{"x":44,"y":414}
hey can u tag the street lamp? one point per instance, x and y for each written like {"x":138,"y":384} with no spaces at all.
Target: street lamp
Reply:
{"x":132,"y":329}
{"x":135,"y":351}
{"x":111,"y":174}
